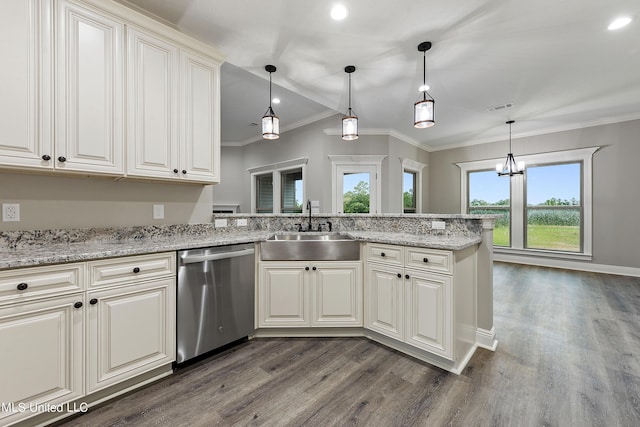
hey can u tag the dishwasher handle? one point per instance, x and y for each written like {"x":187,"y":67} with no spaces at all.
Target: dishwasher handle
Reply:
{"x":214,"y":257}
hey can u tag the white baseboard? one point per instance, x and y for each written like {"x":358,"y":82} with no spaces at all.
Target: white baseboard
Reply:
{"x":568,"y":264}
{"x":486,"y":339}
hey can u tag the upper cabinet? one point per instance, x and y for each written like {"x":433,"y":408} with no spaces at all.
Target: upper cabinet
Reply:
{"x":158,"y":120}
{"x":25,"y":104}
{"x":89,"y":90}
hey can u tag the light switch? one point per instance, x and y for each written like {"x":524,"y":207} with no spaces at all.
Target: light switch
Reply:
{"x":220,"y":223}
{"x":158,"y":211}
{"x":241,"y":222}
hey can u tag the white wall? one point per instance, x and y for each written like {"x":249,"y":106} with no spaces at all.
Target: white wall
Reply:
{"x":311,"y":142}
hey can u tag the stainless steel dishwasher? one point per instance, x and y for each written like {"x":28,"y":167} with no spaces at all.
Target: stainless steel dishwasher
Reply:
{"x":215,"y":301}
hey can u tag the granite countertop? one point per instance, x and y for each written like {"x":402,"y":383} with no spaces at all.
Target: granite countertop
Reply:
{"x":35,"y":255}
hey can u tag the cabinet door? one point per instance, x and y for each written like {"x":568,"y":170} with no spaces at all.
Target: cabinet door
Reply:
{"x":25,"y":105}
{"x":384,"y":298}
{"x":429,"y":313}
{"x":152,"y":93}
{"x":130,"y":330}
{"x":200,"y":118}
{"x":41,"y":356}
{"x":337,"y":294}
{"x":89,"y":91}
{"x":282,"y":295}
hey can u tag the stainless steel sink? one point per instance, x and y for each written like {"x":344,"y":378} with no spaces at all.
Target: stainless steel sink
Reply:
{"x":310,"y":247}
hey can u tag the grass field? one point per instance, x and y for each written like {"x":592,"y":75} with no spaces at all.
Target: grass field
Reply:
{"x":554,"y":237}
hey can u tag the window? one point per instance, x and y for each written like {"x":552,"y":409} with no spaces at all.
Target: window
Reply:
{"x":356,"y":183}
{"x":411,"y":186}
{"x":546,"y":211}
{"x":278,"y":188}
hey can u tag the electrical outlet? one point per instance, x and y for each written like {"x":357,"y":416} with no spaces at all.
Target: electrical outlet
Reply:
{"x":158,"y":211}
{"x":220,"y":223}
{"x":241,"y":222}
{"x":10,"y":212}
{"x":438,"y":225}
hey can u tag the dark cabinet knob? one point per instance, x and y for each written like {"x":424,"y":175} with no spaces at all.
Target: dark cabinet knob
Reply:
{"x":406,"y":276}
{"x":314,"y":269}
{"x":425,"y":259}
{"x":176,"y":171}
{"x":78,"y":304}
{"x":383,"y":254}
{"x":306,"y":268}
{"x":62,"y":159}
{"x":136,"y":270}
{"x":46,"y":157}
{"x":93,"y":301}
{"x":184,"y":172}
{"x":399,"y":276}
{"x":22,"y":286}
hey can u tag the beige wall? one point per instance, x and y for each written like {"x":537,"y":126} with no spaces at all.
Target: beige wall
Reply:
{"x":53,"y":201}
{"x":311,"y":142}
{"x":616,"y":196}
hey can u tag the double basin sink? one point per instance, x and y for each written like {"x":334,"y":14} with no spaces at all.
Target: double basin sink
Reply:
{"x":310,"y":247}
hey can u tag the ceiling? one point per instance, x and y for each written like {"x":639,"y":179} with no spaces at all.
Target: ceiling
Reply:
{"x":555,"y":61}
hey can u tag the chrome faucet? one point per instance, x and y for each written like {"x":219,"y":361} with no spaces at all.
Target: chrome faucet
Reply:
{"x":309,"y":209}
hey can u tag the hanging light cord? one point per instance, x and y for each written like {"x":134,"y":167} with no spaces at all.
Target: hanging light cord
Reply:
{"x":424,"y":75}
{"x":510,"y":150}
{"x":270,"y":90}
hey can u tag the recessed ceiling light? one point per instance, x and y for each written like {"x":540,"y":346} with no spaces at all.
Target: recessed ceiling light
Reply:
{"x":276,"y":100}
{"x":339,"y":12}
{"x":424,"y":87}
{"x":619,"y":23}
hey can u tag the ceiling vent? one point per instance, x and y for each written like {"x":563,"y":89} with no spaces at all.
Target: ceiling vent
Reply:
{"x":501,"y":107}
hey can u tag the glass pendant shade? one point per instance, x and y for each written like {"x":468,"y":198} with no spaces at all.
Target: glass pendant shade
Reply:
{"x":270,"y":122}
{"x":510,"y":167}
{"x":424,"y":108}
{"x":270,"y":125}
{"x":349,"y":120}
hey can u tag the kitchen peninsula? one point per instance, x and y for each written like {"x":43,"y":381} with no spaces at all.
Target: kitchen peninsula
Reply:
{"x":423,"y":285}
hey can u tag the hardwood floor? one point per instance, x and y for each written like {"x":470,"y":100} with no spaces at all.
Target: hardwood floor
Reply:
{"x":568,"y":356}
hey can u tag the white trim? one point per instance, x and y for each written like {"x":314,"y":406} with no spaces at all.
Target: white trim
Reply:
{"x":568,"y":264}
{"x":416,"y":167}
{"x":584,"y":155}
{"x":486,"y":339}
{"x":276,"y":169}
{"x":341,"y":162}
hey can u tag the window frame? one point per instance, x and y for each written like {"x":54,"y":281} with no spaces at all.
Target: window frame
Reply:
{"x":276,"y":170}
{"x":518,"y":199}
{"x":415,"y":167}
{"x":356,"y":163}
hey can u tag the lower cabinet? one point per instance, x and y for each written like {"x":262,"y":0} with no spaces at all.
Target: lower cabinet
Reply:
{"x":41,"y":355}
{"x":130,"y":331}
{"x":304,"y":294}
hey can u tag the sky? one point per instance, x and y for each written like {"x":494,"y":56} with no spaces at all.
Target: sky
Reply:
{"x":543,"y":183}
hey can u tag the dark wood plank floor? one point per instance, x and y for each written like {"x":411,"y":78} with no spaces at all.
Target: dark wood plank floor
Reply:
{"x":569,"y":355}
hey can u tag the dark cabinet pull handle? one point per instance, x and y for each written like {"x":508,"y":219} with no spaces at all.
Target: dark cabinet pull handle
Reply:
{"x":425,"y":259}
{"x":176,"y":171}
{"x":383,"y":254}
{"x":22,"y":286}
{"x":306,"y":268}
{"x":46,"y":157}
{"x":314,"y":269}
{"x":184,"y":172}
{"x":78,"y":304}
{"x":136,"y":270}
{"x":406,"y":276}
{"x":93,"y":301}
{"x":399,"y":276}
{"x":62,"y":159}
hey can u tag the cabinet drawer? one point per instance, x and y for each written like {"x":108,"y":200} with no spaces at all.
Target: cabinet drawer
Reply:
{"x":130,"y":270}
{"x":430,"y":260}
{"x":389,"y":254}
{"x":27,"y":283}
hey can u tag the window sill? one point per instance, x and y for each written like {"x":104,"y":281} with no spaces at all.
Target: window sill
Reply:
{"x":539,"y":253}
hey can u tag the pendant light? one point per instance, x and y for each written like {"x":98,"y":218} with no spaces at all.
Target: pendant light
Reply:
{"x":510,"y":166}
{"x":349,"y":120}
{"x":270,"y":122}
{"x":423,"y":109}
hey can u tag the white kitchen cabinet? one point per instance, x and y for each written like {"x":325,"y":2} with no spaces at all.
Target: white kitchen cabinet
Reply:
{"x":152,"y":94}
{"x":89,"y":113}
{"x":130,"y":330}
{"x":41,"y":354}
{"x":385,"y":300}
{"x":26,"y":37}
{"x":309,"y":294}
